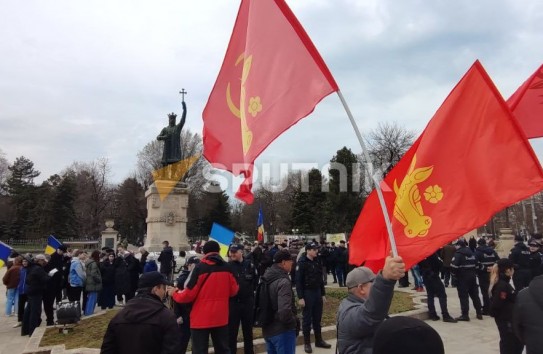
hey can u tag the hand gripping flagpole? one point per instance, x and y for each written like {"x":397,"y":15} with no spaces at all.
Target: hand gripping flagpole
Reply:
{"x":372,"y":175}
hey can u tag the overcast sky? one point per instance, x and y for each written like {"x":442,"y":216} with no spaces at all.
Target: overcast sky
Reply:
{"x":81,"y":80}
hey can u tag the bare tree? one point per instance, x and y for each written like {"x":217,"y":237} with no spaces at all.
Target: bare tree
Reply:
{"x":387,"y":144}
{"x":4,"y":171}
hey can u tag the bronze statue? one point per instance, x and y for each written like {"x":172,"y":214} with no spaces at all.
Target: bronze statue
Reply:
{"x":171,"y":136}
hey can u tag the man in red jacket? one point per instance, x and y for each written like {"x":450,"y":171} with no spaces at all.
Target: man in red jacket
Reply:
{"x":209,"y":287}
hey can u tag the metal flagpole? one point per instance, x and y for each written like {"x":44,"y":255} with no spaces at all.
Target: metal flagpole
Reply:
{"x":373,"y":177}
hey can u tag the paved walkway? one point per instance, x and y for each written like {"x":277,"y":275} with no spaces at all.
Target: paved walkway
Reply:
{"x":475,"y":337}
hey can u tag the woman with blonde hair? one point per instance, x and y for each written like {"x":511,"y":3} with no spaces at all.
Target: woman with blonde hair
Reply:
{"x":502,"y":300}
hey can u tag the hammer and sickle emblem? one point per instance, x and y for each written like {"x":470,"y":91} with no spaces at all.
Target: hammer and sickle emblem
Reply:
{"x":408,"y":207}
{"x":246,"y":133}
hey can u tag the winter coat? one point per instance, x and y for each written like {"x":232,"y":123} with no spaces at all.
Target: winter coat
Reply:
{"x":123,"y":285}
{"x":209,"y":287}
{"x":502,"y":300}
{"x":12,"y":277}
{"x":447,"y":254}
{"x":36,"y":280}
{"x":77,"y":273}
{"x":528,"y":316}
{"x":94,"y":277}
{"x":358,"y":319}
{"x":282,"y":301}
{"x":143,"y":326}
{"x":108,"y":272}
{"x":166,"y":260}
{"x":55,"y":262}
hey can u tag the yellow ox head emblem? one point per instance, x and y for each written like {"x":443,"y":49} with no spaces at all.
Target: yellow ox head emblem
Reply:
{"x":407,"y":205}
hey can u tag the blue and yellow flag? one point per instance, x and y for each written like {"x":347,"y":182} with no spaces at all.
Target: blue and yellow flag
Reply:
{"x":52,"y":245}
{"x":223,"y":236}
{"x":5,"y":251}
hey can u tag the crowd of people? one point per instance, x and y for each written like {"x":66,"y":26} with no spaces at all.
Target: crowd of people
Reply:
{"x":213,"y":297}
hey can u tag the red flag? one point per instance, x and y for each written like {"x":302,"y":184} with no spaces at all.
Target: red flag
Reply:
{"x":471,"y":161}
{"x":272,"y":76}
{"x":527,"y":105}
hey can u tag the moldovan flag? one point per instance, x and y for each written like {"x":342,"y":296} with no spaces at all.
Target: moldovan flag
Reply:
{"x":260,"y":226}
{"x":223,"y":236}
{"x":527,"y":105}
{"x":471,"y":161}
{"x":272,"y":76}
{"x":5,"y":252}
{"x":52,"y":244}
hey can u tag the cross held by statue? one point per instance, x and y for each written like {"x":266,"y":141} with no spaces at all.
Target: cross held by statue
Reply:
{"x":183,"y":93}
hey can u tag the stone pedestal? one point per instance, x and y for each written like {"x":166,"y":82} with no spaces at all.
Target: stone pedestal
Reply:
{"x":167,"y":204}
{"x":109,"y":235}
{"x":506,"y":242}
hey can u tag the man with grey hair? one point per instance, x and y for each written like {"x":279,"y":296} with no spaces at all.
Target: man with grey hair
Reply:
{"x":366,"y":306}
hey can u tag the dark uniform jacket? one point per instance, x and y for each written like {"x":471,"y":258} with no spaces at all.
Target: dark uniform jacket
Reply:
{"x":464,"y":262}
{"x":486,"y":257}
{"x":309,"y":276}
{"x":282,"y":301}
{"x":143,"y":326}
{"x":502,"y":299}
{"x":528,"y":316}
{"x":520,"y":255}
{"x":245,"y":273}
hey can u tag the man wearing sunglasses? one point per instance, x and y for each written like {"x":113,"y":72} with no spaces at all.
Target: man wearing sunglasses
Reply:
{"x":366,"y":306}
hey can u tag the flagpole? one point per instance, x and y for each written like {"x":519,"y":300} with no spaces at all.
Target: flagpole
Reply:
{"x":374,"y":178}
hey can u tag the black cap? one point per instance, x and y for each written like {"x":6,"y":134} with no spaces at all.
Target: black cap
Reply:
{"x":481,"y":241}
{"x":236,"y":247}
{"x":211,"y":246}
{"x":311,"y":246}
{"x":63,"y":248}
{"x":533,"y":242}
{"x":152,"y":279}
{"x":461,"y":242}
{"x":282,"y":255}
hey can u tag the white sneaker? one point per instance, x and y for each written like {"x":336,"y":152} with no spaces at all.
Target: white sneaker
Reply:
{"x":18,"y":324}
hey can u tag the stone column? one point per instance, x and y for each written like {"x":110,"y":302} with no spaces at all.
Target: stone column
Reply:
{"x":167,"y":204}
{"x":109,"y":235}
{"x":506,"y":242}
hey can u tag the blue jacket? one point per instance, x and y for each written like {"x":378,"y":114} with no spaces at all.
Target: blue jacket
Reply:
{"x":22,"y":281}
{"x":77,"y":273}
{"x":150,"y":266}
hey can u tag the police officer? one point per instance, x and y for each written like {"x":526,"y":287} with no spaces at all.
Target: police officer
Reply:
{"x":464,"y":265}
{"x":486,"y":257}
{"x":310,"y":290}
{"x":520,"y":255}
{"x":241,"y":305}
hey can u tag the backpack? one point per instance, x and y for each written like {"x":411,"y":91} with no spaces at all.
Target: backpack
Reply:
{"x":263,"y":311}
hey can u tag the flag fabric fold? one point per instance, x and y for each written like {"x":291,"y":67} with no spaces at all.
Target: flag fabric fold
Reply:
{"x":260,"y":226}
{"x":471,"y":161}
{"x":271,"y":77}
{"x":5,"y":252}
{"x":527,"y":105}
{"x":52,"y":245}
{"x":223,"y":236}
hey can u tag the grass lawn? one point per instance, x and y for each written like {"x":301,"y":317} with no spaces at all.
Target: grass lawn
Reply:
{"x":89,"y":332}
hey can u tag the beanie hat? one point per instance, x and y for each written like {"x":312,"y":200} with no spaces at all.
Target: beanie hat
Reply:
{"x":211,"y":246}
{"x":406,"y":335}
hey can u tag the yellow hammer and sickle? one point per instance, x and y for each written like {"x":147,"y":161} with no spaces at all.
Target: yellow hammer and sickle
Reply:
{"x":246,"y":134}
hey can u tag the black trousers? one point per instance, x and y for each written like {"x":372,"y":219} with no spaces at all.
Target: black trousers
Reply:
{"x":32,"y":315}
{"x":312,"y":313}
{"x":241,"y":313}
{"x":49,"y":297}
{"x":185,"y":334}
{"x":435,"y":288}
{"x":219,"y":337}
{"x":23,"y":298}
{"x":509,"y":343}
{"x":74,"y":294}
{"x":467,"y":288}
{"x":484,"y":283}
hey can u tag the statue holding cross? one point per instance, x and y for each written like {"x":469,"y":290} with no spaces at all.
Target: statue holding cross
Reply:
{"x":171,"y":136}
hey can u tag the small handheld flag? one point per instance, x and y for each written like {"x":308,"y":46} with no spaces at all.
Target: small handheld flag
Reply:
{"x":5,"y":251}
{"x":260,"y":226}
{"x":52,"y":245}
{"x":223,"y":236}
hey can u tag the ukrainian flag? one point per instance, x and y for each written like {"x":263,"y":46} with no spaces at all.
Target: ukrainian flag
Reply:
{"x":5,"y":252}
{"x":52,"y":245}
{"x":223,"y":236}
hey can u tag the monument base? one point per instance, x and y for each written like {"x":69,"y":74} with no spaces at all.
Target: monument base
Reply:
{"x":167,"y":204}
{"x":506,"y":242}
